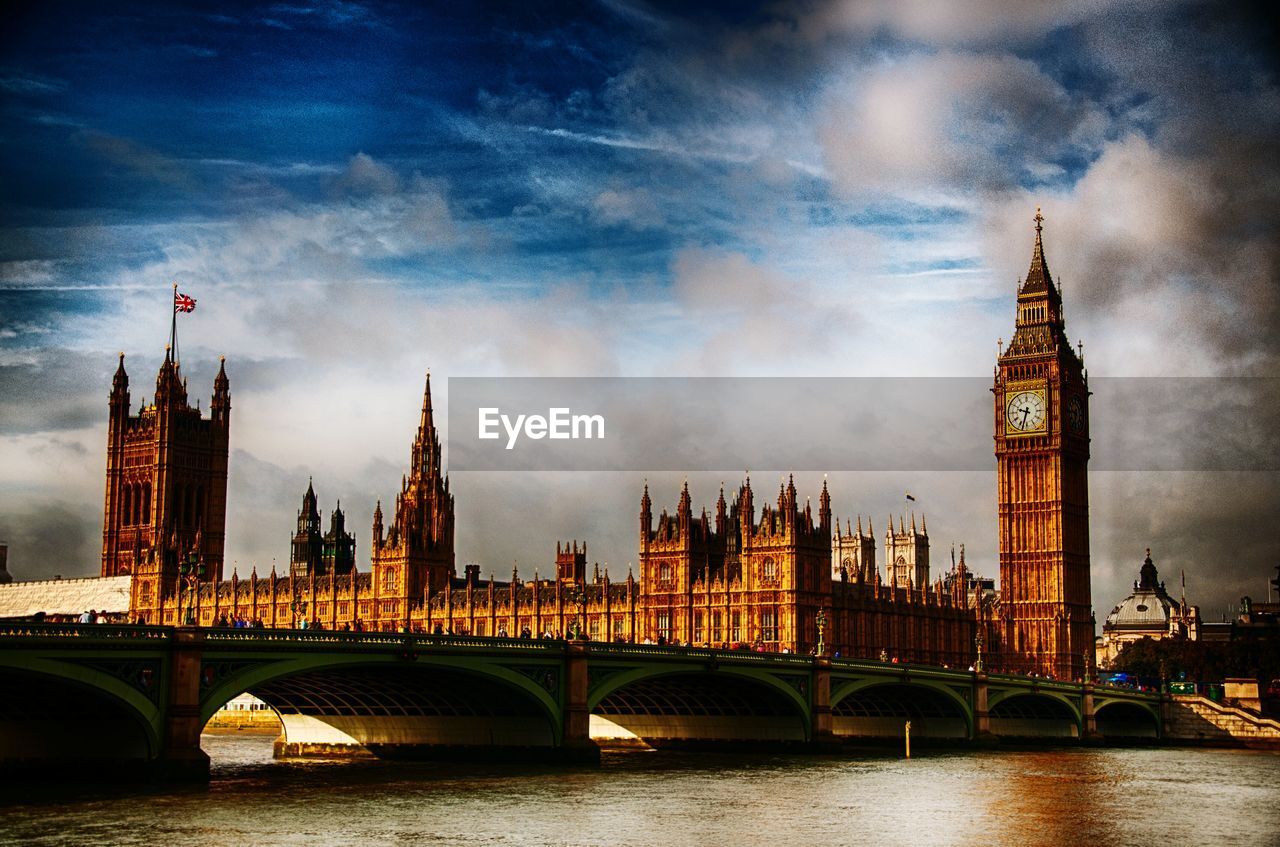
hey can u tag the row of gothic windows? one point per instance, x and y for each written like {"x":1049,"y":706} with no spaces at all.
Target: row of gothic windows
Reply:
{"x":135,"y":504}
{"x":767,"y":630}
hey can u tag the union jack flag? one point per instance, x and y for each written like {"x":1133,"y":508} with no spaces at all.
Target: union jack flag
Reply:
{"x":183,"y":303}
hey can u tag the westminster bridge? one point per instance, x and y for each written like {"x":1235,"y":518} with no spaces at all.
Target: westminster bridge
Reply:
{"x":134,"y":699}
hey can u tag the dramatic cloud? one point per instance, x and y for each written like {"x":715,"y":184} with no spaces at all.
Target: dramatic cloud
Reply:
{"x":792,"y":189}
{"x":953,"y":123}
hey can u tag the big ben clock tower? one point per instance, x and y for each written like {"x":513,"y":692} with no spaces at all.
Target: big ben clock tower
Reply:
{"x":1042,"y":455}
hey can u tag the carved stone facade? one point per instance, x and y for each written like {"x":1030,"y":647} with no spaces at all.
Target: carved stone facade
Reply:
{"x":166,"y":487}
{"x":412,"y":583}
{"x":1042,"y":455}
{"x":734,"y":580}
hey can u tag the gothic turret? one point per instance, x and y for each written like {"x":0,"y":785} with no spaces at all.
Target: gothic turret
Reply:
{"x":305,"y":556}
{"x":646,"y":514}
{"x":417,"y":555}
{"x":120,"y":388}
{"x":220,"y":408}
{"x":171,"y":389}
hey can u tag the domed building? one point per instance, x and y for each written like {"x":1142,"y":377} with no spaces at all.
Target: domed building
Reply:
{"x":1149,"y":612}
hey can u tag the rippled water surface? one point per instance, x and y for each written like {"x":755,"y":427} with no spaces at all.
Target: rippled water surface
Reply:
{"x":1068,"y":796}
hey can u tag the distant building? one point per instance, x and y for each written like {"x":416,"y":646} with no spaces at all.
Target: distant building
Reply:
{"x":853,"y":552}
{"x":1149,"y":612}
{"x":314,"y":554}
{"x":962,"y":582}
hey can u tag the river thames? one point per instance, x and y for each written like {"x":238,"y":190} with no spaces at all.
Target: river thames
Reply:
{"x":1143,"y":796}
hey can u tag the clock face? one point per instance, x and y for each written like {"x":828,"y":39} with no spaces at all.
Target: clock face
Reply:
{"x":1075,"y":415}
{"x":1025,"y":412}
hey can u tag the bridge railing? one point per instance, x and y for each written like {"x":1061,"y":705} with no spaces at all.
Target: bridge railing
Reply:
{"x":605,"y":648}
{"x":31,"y":629}
{"x":401,"y":640}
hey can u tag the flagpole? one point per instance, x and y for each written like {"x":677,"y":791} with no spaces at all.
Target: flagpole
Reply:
{"x":173,"y":329}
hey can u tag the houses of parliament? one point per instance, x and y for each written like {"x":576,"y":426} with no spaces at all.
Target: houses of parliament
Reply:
{"x":754,"y":570}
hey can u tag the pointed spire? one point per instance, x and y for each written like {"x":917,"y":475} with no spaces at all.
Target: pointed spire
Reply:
{"x":427,"y":421}
{"x":1038,"y":279}
{"x":220,"y":382}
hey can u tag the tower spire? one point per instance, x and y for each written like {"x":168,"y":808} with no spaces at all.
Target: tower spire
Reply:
{"x":426,"y":447}
{"x":427,"y":423}
{"x":1038,"y":280}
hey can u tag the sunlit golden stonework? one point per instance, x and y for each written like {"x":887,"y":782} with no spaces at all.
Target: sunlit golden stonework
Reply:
{"x":1042,"y":453}
{"x":779,"y":577}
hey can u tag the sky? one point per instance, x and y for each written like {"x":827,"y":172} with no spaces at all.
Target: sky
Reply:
{"x":357,"y":192}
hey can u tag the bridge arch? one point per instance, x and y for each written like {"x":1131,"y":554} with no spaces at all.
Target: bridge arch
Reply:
{"x":1034,"y":714}
{"x":1126,"y":719}
{"x":70,"y":718}
{"x":878,"y":708}
{"x":391,"y":707}
{"x":691,"y":705}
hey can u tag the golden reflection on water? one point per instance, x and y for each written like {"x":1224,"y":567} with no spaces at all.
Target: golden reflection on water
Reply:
{"x":1017,"y":798}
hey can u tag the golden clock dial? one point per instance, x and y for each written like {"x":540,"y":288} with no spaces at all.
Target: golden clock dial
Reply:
{"x":1025,"y":411}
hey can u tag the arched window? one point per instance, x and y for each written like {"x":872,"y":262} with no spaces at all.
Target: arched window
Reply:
{"x":769,"y":570}
{"x":769,"y":625}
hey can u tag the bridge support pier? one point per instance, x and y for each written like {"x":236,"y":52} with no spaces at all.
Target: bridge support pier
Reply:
{"x":982,"y":735}
{"x":1089,"y":729}
{"x":576,"y":744}
{"x":824,"y":737}
{"x":180,"y":756}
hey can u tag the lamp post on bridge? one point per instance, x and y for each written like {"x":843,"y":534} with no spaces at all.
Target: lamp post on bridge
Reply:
{"x":978,"y":642}
{"x":297,"y":604}
{"x":577,"y":597}
{"x":821,"y":622}
{"x":190,"y":569}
